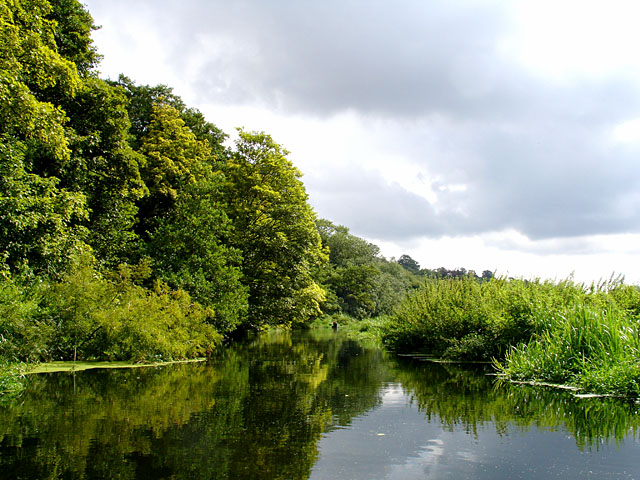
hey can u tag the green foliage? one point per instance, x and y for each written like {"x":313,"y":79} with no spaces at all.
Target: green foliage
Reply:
{"x":543,"y":331}
{"x":86,"y":316}
{"x":173,"y":159}
{"x":190,"y":252}
{"x":409,"y":263}
{"x":11,"y":381}
{"x":100,"y":319}
{"x":345,"y":249}
{"x":38,"y":220}
{"x":143,"y":99}
{"x":23,"y":337}
{"x":465,"y":318}
{"x":173,"y":155}
{"x":596,"y":349}
{"x":104,"y":168}
{"x":72,"y":34}
{"x":29,"y":64}
{"x":275,"y":231}
{"x":359,"y":282}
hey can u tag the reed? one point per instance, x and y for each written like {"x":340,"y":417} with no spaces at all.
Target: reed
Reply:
{"x":597,"y":350}
{"x":533,"y":330}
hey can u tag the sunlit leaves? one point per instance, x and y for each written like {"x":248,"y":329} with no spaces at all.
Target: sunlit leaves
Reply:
{"x":173,"y":154}
{"x":190,"y":252}
{"x":29,"y":63}
{"x":38,"y":220}
{"x":275,"y":231}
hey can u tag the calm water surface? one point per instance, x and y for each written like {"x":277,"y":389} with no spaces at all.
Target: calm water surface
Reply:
{"x":313,"y":405}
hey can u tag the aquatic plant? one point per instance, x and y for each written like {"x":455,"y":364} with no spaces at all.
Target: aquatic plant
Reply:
{"x":533,"y":330}
{"x":595,"y":350}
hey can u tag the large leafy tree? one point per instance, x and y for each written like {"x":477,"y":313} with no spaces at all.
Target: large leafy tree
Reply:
{"x":275,"y":231}
{"x":72,"y":34}
{"x":104,"y":167}
{"x":173,"y":158}
{"x":409,"y":263}
{"x":144,"y":98}
{"x":29,"y":64}
{"x":39,"y":222}
{"x":183,"y":218}
{"x":80,"y":127}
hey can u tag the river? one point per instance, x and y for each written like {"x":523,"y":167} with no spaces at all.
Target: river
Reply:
{"x":310,"y":405}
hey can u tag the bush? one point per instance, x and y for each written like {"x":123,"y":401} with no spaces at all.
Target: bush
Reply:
{"x":86,"y":316}
{"x":464,"y":318}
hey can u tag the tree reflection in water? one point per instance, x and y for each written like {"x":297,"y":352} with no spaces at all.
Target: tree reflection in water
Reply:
{"x":258,"y":410}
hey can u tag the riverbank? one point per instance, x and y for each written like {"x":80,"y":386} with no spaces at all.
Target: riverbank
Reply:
{"x":564,"y":333}
{"x":70,"y":366}
{"x":12,"y":376}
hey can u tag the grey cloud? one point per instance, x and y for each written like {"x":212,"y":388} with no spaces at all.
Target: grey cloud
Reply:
{"x":322,"y":57}
{"x":372,"y":207}
{"x":547,"y":189}
{"x":562,"y":186}
{"x":532,"y":155}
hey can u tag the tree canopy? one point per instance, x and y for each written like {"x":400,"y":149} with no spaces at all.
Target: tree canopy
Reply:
{"x":275,"y":231}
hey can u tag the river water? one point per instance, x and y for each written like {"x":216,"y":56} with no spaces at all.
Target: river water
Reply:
{"x":310,"y":405}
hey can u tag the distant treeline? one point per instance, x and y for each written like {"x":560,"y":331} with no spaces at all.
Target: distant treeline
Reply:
{"x":413,"y":266}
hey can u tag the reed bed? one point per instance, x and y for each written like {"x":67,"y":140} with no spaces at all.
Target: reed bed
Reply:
{"x":597,"y":350}
{"x":532,"y":330}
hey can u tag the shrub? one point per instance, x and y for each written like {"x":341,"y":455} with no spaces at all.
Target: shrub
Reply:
{"x":86,"y":316}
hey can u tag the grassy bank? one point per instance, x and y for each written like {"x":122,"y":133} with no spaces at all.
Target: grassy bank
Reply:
{"x":560,"y":332}
{"x":596,"y":350}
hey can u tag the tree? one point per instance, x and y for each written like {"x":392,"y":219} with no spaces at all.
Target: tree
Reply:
{"x":275,"y":231}
{"x":344,"y":248}
{"x":143,"y":99}
{"x":38,"y":216}
{"x":72,"y":34}
{"x":190,"y":252}
{"x":409,"y":263}
{"x":359,"y":281}
{"x":39,"y":222}
{"x":487,"y":275}
{"x":29,"y":64}
{"x":173,"y":159}
{"x":104,"y":168}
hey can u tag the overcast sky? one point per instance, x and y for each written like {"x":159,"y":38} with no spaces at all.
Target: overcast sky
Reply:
{"x":484,"y":134}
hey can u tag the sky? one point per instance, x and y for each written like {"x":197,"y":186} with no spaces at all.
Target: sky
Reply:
{"x":499,"y":135}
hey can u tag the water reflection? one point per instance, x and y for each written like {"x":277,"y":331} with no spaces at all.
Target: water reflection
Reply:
{"x":289,"y":407}
{"x":472,"y":399}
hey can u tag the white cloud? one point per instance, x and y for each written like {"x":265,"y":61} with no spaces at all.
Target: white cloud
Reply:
{"x":627,"y":132}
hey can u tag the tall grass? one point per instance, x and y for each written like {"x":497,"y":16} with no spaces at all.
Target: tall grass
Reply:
{"x":467,"y":319}
{"x":596,"y":350}
{"x":562,"y":332}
